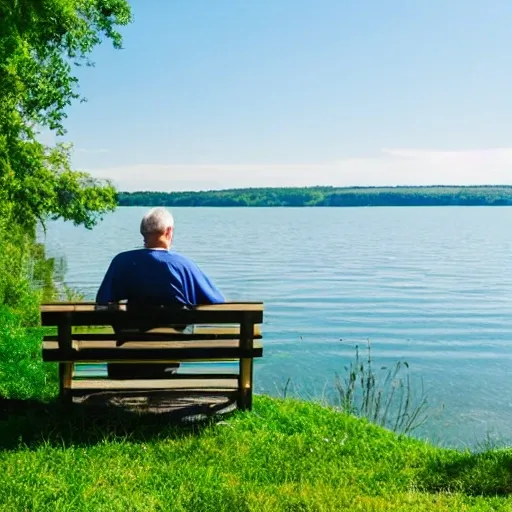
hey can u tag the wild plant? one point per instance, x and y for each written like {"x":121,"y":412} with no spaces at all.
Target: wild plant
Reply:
{"x":385,"y":395}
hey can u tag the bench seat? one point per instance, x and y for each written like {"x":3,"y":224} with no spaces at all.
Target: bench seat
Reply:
{"x":160,"y":384}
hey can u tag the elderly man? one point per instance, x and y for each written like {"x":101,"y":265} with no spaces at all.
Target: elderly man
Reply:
{"x":156,"y":276}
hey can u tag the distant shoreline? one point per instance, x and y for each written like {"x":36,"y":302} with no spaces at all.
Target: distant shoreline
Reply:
{"x":484,"y":195}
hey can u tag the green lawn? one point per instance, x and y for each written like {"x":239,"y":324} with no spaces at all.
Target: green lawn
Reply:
{"x":284,"y":455}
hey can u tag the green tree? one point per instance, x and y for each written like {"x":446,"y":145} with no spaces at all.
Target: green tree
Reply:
{"x":40,"y":42}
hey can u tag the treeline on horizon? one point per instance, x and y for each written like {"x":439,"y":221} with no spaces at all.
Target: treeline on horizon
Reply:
{"x":485,"y":195}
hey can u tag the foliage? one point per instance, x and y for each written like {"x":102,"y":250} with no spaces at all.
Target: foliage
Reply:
{"x":327,"y":196}
{"x":26,"y":278}
{"x":40,"y":40}
{"x":16,"y":291}
{"x":285,"y":455}
{"x":23,"y":375}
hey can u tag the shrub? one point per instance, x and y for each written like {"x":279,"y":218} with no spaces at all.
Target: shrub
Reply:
{"x":26,"y":277}
{"x":23,"y":374}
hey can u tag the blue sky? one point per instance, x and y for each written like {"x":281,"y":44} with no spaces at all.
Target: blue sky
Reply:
{"x":221,"y":93}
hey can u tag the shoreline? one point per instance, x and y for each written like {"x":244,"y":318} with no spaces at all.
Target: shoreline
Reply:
{"x":148,"y":205}
{"x":326,"y":197}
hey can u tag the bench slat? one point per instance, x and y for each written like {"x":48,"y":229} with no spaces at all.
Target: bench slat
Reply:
{"x":59,"y":308}
{"x":80,"y":346}
{"x":87,"y":313}
{"x":54,"y":317}
{"x":163,"y":334}
{"x":106,"y":351}
{"x":91,"y":306}
{"x":174,"y":376}
{"x":189,"y":384}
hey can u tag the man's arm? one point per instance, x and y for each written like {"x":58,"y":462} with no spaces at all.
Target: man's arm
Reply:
{"x":206,"y":291}
{"x":199,"y":288}
{"x":107,"y":290}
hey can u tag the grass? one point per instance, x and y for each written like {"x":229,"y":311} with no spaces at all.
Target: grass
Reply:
{"x":284,"y":455}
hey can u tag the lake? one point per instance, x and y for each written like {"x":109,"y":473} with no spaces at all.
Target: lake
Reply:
{"x":431,"y":286}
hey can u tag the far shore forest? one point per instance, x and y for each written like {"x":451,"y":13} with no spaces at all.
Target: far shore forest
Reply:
{"x":488,"y":195}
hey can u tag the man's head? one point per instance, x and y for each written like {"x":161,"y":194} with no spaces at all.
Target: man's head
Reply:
{"x":157,"y":228}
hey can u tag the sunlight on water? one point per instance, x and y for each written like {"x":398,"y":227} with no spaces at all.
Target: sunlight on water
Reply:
{"x":432,"y":286}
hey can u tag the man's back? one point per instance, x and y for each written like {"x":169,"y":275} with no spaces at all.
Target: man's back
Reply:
{"x":155,"y":276}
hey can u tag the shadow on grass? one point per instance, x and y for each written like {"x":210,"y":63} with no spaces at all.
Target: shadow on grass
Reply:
{"x":480,"y":474}
{"x":31,"y":423}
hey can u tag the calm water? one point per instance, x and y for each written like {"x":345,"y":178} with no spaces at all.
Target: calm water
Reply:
{"x":432,"y":286}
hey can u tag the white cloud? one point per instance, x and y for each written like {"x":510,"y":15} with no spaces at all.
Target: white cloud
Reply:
{"x":390,"y":167}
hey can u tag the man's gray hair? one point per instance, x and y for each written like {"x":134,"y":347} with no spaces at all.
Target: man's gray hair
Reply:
{"x":156,"y":220}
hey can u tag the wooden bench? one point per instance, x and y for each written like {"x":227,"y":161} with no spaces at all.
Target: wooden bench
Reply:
{"x":223,"y":332}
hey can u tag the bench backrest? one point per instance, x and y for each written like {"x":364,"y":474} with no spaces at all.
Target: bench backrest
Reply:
{"x":153,"y":324}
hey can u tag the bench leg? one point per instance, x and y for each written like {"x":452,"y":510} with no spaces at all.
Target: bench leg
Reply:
{"x":65,"y":377}
{"x":245,"y":384}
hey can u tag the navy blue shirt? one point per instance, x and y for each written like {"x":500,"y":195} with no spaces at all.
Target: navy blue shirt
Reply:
{"x":152,"y":276}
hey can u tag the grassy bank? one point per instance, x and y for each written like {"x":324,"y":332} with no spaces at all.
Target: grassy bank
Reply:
{"x":285,"y":455}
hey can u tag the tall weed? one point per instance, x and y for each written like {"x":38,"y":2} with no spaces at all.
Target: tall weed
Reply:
{"x":385,"y":395}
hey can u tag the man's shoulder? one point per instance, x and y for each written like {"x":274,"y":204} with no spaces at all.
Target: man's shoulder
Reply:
{"x":179,"y":259}
{"x":124,"y":256}
{"x":176,"y":260}
{"x":173,"y":258}
{"x":128,"y":254}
